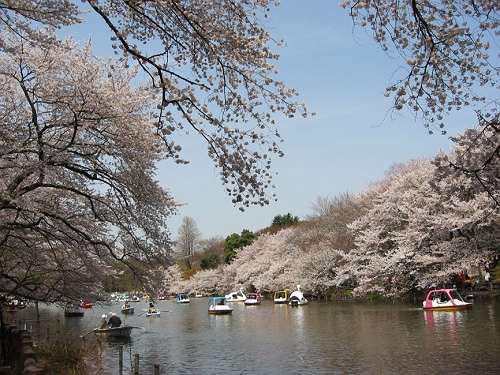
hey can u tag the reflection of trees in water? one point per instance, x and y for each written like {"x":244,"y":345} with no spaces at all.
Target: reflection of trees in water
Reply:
{"x":47,"y":323}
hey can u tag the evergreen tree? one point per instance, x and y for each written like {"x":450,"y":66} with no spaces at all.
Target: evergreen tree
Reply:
{"x":235,"y":242}
{"x":286,"y":219}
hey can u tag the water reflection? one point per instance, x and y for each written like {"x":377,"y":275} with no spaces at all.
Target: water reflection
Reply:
{"x":323,"y":337}
{"x":441,"y":321}
{"x":491,"y":314}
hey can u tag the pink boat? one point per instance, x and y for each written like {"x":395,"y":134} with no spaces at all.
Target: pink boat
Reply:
{"x":445,"y":300}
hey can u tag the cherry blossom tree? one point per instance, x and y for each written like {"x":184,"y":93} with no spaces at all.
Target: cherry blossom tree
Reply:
{"x":319,"y":268}
{"x":81,"y":146}
{"x":410,"y":231}
{"x":213,"y":75}
{"x":77,"y":163}
{"x":310,"y":255}
{"x":450,"y":50}
{"x":209,"y":65}
{"x":206,"y":280}
{"x":419,"y":230}
{"x":171,"y":278}
{"x":265,"y":265}
{"x":475,"y":154}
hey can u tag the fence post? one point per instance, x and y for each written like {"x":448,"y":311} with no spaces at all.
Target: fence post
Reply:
{"x":136,"y":364}
{"x":120,"y":358}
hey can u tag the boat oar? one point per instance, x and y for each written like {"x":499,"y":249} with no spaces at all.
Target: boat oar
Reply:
{"x":143,"y":328}
{"x":88,"y":333}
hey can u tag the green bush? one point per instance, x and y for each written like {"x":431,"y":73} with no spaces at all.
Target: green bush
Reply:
{"x":373,"y":296}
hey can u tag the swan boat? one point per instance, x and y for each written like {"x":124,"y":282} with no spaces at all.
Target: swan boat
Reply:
{"x":445,"y":300}
{"x":236,"y":296}
{"x":217,"y":306}
{"x":297,"y":298}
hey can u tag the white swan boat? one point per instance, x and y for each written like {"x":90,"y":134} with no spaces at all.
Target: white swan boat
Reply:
{"x":236,"y":296}
{"x":297,"y":298}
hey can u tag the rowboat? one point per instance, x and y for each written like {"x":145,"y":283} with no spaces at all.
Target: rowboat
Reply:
{"x":445,"y":300}
{"x":86,"y":305}
{"x":73,"y":310}
{"x":152,"y":314}
{"x":116,"y":332}
{"x":217,"y":306}
{"x":127,"y":310}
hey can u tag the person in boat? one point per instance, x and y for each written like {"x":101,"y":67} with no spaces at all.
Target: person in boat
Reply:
{"x":114,"y":321}
{"x":152,"y":308}
{"x":104,"y":321}
{"x":442,"y":298}
{"x":126,"y":305}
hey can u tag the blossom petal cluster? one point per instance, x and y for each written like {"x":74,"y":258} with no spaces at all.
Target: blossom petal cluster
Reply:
{"x":450,"y":48}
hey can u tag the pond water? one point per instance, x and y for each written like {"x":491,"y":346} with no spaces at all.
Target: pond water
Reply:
{"x":323,"y":337}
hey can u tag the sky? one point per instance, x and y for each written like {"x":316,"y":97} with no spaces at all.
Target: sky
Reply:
{"x":341,"y":74}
